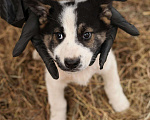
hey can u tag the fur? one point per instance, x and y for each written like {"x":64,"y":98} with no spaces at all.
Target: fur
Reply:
{"x":63,"y":35}
{"x":111,"y":79}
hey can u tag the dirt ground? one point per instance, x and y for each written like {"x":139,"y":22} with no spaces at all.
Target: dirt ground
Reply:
{"x":23,"y":94}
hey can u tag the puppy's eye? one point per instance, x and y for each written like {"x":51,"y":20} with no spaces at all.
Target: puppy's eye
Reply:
{"x":87,"y":35}
{"x":60,"y":36}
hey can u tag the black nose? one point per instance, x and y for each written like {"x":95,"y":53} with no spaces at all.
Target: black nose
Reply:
{"x":72,"y":63}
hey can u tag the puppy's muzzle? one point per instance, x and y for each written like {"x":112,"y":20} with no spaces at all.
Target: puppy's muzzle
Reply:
{"x":72,"y":63}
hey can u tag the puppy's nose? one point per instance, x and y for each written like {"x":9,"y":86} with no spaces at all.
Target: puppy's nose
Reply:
{"x":72,"y":63}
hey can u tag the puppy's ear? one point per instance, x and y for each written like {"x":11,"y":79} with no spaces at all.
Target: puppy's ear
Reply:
{"x":106,"y":14}
{"x":39,"y":9}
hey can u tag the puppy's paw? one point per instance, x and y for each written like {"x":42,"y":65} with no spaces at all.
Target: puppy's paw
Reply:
{"x":58,"y":118}
{"x":121,"y":104}
{"x":35,"y":55}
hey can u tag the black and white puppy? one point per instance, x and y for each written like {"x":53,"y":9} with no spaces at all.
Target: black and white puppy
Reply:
{"x":72,"y":31}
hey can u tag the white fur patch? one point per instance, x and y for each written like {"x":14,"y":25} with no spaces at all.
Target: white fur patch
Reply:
{"x":78,"y":1}
{"x":68,"y":21}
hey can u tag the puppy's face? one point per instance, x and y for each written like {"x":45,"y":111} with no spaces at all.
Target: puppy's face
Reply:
{"x":72,"y":31}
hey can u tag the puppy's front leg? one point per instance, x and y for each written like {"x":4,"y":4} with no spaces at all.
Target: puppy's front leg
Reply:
{"x":56,"y":98}
{"x":113,"y":87}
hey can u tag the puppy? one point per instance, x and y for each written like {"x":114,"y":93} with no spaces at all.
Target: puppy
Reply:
{"x":72,"y":32}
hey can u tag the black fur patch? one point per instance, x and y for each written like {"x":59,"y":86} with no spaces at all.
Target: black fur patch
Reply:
{"x":53,"y":22}
{"x":69,"y":3}
{"x":89,"y":13}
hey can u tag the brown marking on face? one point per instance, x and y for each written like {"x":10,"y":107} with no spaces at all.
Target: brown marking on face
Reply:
{"x":90,"y":42}
{"x":105,"y":20}
{"x":55,"y":40}
{"x":89,"y":29}
{"x":43,"y":24}
{"x":101,"y":36}
{"x":56,"y":30}
{"x":81,"y":28}
{"x":43,"y":18}
{"x":104,"y":6}
{"x":51,"y":40}
{"x":45,"y":9}
{"x":47,"y":40}
{"x":98,"y":39}
{"x":39,"y":9}
{"x":106,"y":14}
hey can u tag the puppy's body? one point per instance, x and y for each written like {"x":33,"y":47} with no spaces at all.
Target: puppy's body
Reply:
{"x":72,"y":34}
{"x":110,"y":76}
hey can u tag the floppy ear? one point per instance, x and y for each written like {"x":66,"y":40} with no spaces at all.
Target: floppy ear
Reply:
{"x":106,"y":14}
{"x":39,"y":9}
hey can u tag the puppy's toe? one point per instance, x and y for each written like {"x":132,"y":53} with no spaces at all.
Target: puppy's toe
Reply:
{"x":121,"y":104}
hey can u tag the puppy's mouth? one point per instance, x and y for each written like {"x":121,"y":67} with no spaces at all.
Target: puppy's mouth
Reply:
{"x":64,"y":68}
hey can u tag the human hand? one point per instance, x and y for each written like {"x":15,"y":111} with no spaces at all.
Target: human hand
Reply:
{"x":30,"y":32}
{"x":117,"y":21}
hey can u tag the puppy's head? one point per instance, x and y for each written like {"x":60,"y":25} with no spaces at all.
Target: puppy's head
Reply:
{"x":72,"y":30}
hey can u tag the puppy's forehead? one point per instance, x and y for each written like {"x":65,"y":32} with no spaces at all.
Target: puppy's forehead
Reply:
{"x":88,"y":12}
{"x":68,"y":21}
{"x":76,"y":12}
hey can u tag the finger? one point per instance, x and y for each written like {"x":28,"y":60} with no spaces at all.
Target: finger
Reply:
{"x":29,"y":30}
{"x":41,"y":49}
{"x":95,"y":56}
{"x":118,"y":20}
{"x":106,"y":46}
